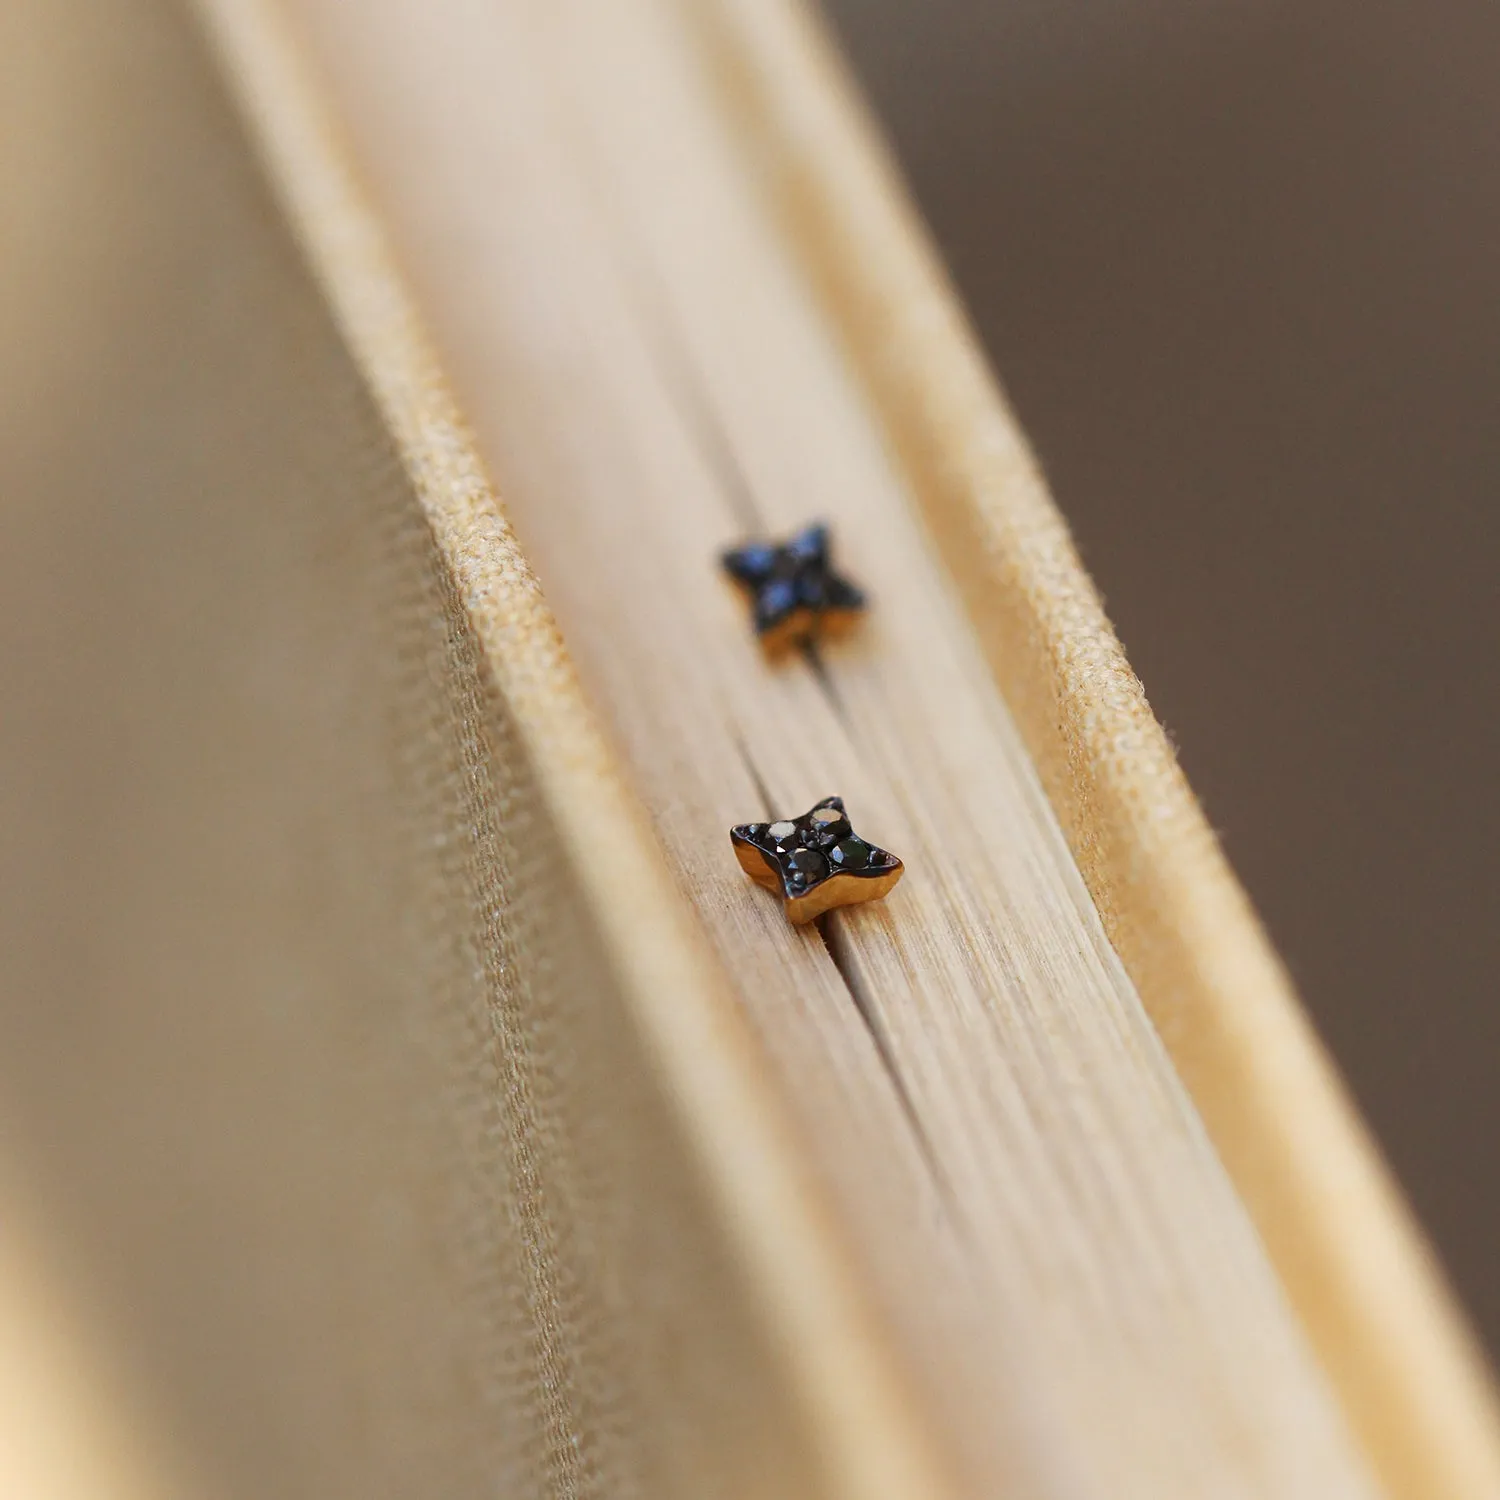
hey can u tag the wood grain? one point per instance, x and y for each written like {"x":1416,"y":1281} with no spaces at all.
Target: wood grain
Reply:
{"x":651,"y":371}
{"x":1356,"y":1268}
{"x":382,"y":1134}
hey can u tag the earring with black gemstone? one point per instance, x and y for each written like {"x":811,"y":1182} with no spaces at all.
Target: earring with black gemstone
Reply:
{"x":815,"y":862}
{"x":795,"y":594}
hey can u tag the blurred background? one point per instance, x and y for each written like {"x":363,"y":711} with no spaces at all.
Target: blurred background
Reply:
{"x":1239,"y":267}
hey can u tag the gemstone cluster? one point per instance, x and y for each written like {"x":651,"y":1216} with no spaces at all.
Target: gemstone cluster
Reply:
{"x":795,"y":594}
{"x":804,"y":856}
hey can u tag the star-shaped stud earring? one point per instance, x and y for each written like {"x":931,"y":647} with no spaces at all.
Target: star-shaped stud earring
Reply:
{"x":794,"y":592}
{"x":816,"y":862}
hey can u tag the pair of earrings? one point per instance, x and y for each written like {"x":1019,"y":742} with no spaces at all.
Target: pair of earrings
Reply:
{"x":815,"y":862}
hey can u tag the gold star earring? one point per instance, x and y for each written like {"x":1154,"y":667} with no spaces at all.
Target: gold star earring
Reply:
{"x":795,"y":595}
{"x":816,"y":862}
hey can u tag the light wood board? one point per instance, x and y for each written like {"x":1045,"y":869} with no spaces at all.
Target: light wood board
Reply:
{"x":650,"y":375}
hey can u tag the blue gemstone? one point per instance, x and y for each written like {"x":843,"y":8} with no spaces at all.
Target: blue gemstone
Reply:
{"x":777,"y":598}
{"x":810,"y":545}
{"x":752,"y":563}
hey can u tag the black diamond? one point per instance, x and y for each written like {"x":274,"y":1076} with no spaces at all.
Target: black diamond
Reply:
{"x":851,"y":854}
{"x":828,"y":819}
{"x":808,"y":863}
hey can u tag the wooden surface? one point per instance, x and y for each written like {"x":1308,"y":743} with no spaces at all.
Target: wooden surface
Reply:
{"x":650,"y":374}
{"x":1358,"y":1272}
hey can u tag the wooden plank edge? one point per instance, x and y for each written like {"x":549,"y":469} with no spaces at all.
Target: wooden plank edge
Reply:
{"x":1403,"y":1362}
{"x":798,"y":1272}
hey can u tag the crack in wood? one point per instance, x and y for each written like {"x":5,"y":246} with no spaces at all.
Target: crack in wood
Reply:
{"x":684,"y":384}
{"x":813,"y":656}
{"x":836,"y":941}
{"x":753,"y":771}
